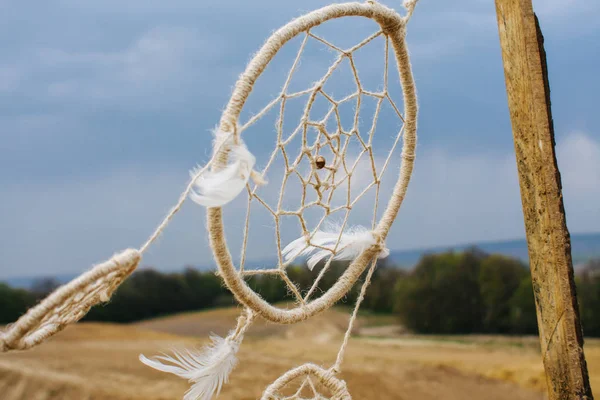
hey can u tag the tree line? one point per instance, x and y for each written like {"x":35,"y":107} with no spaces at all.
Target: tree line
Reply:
{"x":447,"y":293}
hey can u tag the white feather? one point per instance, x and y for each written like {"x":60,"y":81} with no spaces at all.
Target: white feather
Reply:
{"x":352,"y":243}
{"x":215,"y":189}
{"x":207,"y":370}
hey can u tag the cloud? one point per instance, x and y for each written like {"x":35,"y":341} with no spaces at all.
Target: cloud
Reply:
{"x":578,"y":157}
{"x":10,"y":77}
{"x":161,"y":62}
{"x":563,"y":10}
{"x":563,"y":19}
{"x":68,"y":226}
{"x":99,"y":126}
{"x":452,"y":199}
{"x":460,"y":199}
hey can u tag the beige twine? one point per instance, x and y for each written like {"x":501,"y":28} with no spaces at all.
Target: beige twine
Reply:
{"x":336,"y":386}
{"x":393,"y":27}
{"x":71,"y":302}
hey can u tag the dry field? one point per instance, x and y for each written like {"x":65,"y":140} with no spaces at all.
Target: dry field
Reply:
{"x":92,"y":361}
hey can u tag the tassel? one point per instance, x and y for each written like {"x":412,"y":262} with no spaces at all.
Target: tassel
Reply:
{"x":215,"y":189}
{"x":207,"y":370}
{"x":352,"y":243}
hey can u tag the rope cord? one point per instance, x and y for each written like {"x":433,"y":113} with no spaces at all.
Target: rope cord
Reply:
{"x":72,"y":301}
{"x":334,"y":177}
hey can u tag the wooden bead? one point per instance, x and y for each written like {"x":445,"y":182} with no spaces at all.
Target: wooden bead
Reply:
{"x":320,"y":162}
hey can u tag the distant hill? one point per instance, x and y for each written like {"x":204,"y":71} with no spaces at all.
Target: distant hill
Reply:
{"x":584,"y":247}
{"x":26,"y":282}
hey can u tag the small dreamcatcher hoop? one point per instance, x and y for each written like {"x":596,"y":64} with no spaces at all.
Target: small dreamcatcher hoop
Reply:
{"x":326,"y":378}
{"x":393,"y":27}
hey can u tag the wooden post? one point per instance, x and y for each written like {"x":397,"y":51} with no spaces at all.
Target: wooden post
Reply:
{"x":548,"y":239}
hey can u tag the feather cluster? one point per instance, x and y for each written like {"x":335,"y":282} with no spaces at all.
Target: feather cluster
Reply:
{"x":352,"y":243}
{"x":215,"y":189}
{"x":206,"y":370}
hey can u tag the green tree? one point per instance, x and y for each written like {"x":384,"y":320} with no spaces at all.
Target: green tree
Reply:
{"x":204,"y":289}
{"x":522,"y":309}
{"x":43,"y":287}
{"x":442,"y":294}
{"x":13,"y":303}
{"x":270,"y":287}
{"x":148,"y":293}
{"x":499,"y":278}
{"x":380,"y":294}
{"x":588,"y":295}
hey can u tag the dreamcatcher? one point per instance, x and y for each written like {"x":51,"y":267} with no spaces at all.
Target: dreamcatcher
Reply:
{"x":231,"y":172}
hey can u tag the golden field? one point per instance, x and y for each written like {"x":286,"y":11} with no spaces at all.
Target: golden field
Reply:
{"x":92,"y":361}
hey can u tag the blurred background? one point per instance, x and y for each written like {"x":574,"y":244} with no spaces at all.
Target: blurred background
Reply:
{"x":106,"y":106}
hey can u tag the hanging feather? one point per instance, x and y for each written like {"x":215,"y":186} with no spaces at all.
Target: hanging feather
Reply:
{"x":215,"y":189}
{"x":206,"y":370}
{"x":351,"y":244}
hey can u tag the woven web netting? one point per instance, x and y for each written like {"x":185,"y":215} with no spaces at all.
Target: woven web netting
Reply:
{"x":330,"y":130}
{"x":320,"y":157}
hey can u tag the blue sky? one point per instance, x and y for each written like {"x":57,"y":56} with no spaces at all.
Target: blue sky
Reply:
{"x":105,"y":106}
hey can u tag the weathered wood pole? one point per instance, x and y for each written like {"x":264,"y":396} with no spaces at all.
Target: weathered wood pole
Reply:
{"x":548,"y":239}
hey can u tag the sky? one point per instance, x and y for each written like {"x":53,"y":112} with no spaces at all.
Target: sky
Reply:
{"x":106,"y":105}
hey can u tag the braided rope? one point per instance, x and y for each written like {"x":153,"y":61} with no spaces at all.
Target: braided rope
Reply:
{"x":393,"y":28}
{"x":69,"y":303}
{"x":335,"y":386}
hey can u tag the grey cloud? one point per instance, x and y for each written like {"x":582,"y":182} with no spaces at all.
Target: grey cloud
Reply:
{"x":105,"y":105}
{"x":10,"y":77}
{"x":162,"y":61}
{"x":579,"y":161}
{"x":67,"y":227}
{"x":564,"y":11}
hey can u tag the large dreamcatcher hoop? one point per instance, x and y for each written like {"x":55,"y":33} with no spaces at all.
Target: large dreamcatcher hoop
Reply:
{"x":229,"y":173}
{"x":393,"y":27}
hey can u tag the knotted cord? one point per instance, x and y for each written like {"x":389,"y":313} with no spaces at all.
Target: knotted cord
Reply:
{"x":72,"y":301}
